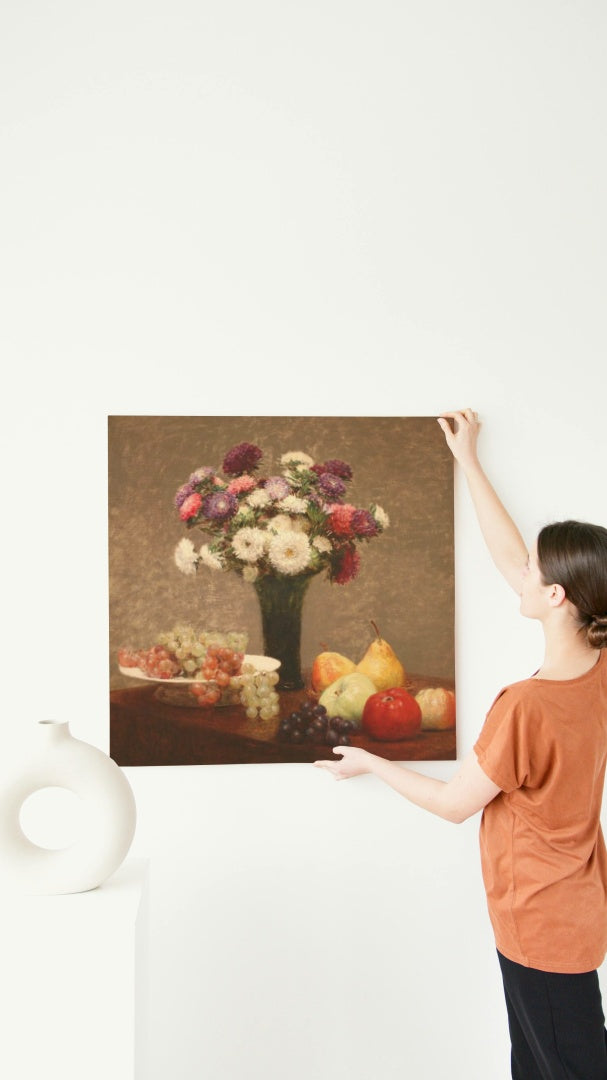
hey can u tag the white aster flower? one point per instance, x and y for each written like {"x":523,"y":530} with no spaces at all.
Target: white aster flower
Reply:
{"x":250,"y":573}
{"x":249,"y":544}
{"x":296,"y":457}
{"x":289,"y":552}
{"x":259,"y":497}
{"x":322,"y":544}
{"x":185,"y":556}
{"x":293,"y":505}
{"x":283,"y":523}
{"x":381,"y":517}
{"x":209,"y":558}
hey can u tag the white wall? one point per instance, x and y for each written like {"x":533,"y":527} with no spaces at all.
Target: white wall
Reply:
{"x":258,"y":208}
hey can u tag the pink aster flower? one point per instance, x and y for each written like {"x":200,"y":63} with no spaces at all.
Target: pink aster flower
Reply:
{"x":277,"y":487}
{"x":190,"y":506}
{"x":340,"y":519}
{"x":242,"y":458}
{"x":348,"y":566}
{"x":240,"y":484}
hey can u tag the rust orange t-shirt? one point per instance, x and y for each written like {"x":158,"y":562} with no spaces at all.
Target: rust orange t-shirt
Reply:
{"x":543,"y":855}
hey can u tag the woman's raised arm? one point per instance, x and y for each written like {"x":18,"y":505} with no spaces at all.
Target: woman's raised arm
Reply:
{"x":504,"y":541}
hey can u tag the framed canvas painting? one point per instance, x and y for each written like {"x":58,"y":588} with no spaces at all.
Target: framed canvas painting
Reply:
{"x":278,"y":586}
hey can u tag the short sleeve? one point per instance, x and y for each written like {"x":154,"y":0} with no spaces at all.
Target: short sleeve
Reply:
{"x":502,"y":748}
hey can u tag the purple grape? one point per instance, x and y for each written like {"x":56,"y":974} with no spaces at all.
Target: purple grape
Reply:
{"x":344,"y":726}
{"x":331,"y":737}
{"x":319,"y":723}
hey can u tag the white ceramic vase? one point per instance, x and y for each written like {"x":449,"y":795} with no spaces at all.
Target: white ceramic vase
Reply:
{"x":108,"y":807}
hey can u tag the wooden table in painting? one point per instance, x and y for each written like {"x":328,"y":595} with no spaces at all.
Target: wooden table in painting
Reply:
{"x":146,"y":731}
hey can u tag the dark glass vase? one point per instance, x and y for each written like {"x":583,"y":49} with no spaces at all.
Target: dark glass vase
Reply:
{"x":281,"y":601}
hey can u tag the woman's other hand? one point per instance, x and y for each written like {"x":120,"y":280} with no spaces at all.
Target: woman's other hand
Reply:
{"x":354,"y":762}
{"x":462,"y":438}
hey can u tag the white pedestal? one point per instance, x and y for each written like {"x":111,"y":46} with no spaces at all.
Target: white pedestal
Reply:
{"x":73,"y":981}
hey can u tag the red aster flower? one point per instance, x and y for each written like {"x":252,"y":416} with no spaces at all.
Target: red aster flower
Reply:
{"x":348,"y":566}
{"x":340,"y":519}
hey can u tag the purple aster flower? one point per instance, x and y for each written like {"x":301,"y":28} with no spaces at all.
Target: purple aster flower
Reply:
{"x":364,"y":524}
{"x":199,"y":475}
{"x":331,"y":485}
{"x":184,"y":492}
{"x":220,"y":506}
{"x":277,"y":487}
{"x":242,"y":458}
{"x":338,"y":468}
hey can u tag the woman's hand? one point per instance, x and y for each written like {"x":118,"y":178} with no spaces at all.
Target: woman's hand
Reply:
{"x":462,"y":440}
{"x":354,"y":762}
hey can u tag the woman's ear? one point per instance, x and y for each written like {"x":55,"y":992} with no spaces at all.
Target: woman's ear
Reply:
{"x":557,"y":595}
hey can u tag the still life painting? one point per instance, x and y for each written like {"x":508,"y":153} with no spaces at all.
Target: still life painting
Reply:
{"x":280,"y":586}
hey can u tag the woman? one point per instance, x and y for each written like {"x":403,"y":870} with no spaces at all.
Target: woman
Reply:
{"x":537,"y":772}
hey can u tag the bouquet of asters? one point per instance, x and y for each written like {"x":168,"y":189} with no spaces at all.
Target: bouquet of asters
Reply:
{"x":296,"y":523}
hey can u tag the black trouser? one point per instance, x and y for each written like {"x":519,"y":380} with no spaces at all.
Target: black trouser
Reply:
{"x":556,"y":1021}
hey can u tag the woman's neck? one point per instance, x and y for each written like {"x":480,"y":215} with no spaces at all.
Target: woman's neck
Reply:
{"x":567,"y":655}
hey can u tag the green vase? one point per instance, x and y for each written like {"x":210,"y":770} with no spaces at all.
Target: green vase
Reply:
{"x":281,"y":601}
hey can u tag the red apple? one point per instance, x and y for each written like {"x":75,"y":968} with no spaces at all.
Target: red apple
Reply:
{"x":391,"y":715}
{"x":438,"y":708}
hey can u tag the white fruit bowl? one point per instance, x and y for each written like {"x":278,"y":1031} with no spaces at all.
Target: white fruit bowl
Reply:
{"x":176,"y":691}
{"x":260,"y":663}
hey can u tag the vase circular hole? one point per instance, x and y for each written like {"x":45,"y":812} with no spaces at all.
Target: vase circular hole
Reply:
{"x":52,"y":817}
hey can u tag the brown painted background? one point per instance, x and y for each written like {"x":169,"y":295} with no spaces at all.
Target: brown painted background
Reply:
{"x":405,"y":583}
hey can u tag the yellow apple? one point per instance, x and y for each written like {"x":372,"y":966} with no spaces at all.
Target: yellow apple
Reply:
{"x":438,"y":708}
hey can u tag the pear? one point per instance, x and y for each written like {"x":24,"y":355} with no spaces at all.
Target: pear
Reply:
{"x":327,"y":667}
{"x":381,"y":664}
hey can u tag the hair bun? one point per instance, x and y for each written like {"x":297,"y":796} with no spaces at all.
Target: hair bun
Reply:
{"x":597,"y":632}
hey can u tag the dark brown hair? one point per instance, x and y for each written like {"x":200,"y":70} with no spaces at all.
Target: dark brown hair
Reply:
{"x":574,"y":554}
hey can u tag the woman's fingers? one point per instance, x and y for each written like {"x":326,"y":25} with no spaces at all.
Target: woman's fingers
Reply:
{"x":330,"y":767}
{"x":460,"y":414}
